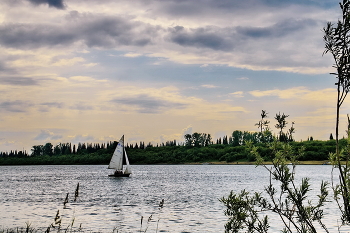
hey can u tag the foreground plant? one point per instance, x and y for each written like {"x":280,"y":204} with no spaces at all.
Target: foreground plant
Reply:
{"x":150,"y":218}
{"x":289,"y":201}
{"x":340,"y":161}
{"x":337,"y":43}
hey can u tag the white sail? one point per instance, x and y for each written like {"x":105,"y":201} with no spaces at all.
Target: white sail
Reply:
{"x":117,"y":158}
{"x":127,"y":169}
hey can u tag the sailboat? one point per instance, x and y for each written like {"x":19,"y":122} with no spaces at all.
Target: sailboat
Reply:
{"x":117,"y":161}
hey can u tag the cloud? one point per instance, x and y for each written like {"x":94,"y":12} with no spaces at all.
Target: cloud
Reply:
{"x":279,"y":29}
{"x":47,"y":135}
{"x":15,"y":106}
{"x":45,"y":107}
{"x":303,"y":98}
{"x":27,"y":36}
{"x":19,"y":81}
{"x":210,"y":37}
{"x":145,"y":103}
{"x":132,"y":55}
{"x":283,"y":94}
{"x":81,"y":79}
{"x":94,"y":30}
{"x":59,"y":4}
{"x":237,"y":94}
{"x":81,"y":106}
{"x":209,"y":86}
{"x":187,"y":130}
{"x":263,"y":42}
{"x":68,"y":62}
{"x":230,"y":38}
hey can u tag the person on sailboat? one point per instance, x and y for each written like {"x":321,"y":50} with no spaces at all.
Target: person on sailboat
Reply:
{"x":118,"y":172}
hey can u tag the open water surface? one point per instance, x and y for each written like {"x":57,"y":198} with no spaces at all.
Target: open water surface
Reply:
{"x":191,"y":195}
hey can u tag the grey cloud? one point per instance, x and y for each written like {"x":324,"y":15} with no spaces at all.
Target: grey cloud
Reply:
{"x":279,"y":29}
{"x":19,"y":81}
{"x":95,"y":31}
{"x":148,"y":104}
{"x":229,"y":38}
{"x":190,"y":8}
{"x":53,"y":104}
{"x":110,"y":32}
{"x":210,"y":37}
{"x":33,"y":36}
{"x":14,"y":106}
{"x":81,"y":106}
{"x":45,"y":107}
{"x":59,"y":4}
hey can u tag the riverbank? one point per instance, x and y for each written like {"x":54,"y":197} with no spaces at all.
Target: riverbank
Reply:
{"x":314,"y":152}
{"x":311,"y":162}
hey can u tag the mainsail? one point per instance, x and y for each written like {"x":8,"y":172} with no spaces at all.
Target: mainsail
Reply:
{"x":117,"y":158}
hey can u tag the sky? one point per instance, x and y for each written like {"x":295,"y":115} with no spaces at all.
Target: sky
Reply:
{"x":154,"y":70}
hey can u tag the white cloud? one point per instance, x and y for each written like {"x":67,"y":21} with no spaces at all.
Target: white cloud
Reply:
{"x":68,"y":62}
{"x":297,"y":93}
{"x":237,"y":94}
{"x":132,"y":55}
{"x":209,"y":86}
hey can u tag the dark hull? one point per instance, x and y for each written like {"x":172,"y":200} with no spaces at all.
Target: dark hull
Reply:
{"x":119,"y":175}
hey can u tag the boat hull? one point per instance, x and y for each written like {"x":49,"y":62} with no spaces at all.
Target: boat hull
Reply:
{"x":119,"y":175}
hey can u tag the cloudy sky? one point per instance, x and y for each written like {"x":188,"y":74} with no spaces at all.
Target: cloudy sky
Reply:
{"x":90,"y":71}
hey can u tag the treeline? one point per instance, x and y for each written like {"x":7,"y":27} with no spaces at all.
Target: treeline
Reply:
{"x":195,"y":139}
{"x":313,"y":150}
{"x":197,"y":147}
{"x":172,"y":154}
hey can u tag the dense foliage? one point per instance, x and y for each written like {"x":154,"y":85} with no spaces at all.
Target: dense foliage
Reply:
{"x":231,"y":151}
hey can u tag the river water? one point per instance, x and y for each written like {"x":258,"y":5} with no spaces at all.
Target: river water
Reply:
{"x":33,"y":194}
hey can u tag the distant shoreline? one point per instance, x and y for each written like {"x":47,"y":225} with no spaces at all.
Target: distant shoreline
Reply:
{"x":312,"y":162}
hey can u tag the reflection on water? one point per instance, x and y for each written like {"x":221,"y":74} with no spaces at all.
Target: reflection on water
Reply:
{"x":191,"y":192}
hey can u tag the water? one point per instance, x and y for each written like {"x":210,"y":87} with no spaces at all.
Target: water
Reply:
{"x":191,"y":195}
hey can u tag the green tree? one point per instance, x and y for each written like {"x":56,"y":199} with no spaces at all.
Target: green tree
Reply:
{"x":188,"y":139}
{"x":288,"y":200}
{"x":237,"y":138}
{"x":196,"y":137}
{"x":224,"y":140}
{"x":263,"y":124}
{"x":47,"y":149}
{"x":203,"y":138}
{"x":281,"y":124}
{"x":37,"y":150}
{"x":208,"y":140}
{"x":337,"y":43}
{"x":290,"y":133}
